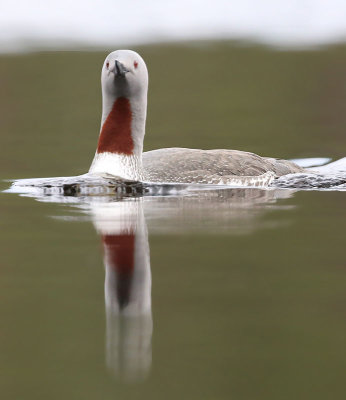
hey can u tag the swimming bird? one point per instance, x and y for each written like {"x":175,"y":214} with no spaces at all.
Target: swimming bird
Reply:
{"x":119,"y":152}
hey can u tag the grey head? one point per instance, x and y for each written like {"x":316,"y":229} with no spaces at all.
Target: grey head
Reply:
{"x":124,"y":74}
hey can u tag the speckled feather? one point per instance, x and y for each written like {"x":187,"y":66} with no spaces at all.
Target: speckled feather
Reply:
{"x":211,"y":166}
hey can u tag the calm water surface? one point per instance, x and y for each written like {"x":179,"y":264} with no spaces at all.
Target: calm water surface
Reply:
{"x":235,"y":294}
{"x":247,"y":297}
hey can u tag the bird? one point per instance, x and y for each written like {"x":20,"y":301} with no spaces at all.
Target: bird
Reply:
{"x":124,"y":81}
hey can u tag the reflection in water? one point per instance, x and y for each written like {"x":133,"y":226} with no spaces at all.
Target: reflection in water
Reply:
{"x":122,"y":227}
{"x":235,"y":211}
{"x":121,"y":223}
{"x":129,"y":323}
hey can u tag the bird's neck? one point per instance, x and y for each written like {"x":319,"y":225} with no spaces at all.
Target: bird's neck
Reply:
{"x":120,"y":144}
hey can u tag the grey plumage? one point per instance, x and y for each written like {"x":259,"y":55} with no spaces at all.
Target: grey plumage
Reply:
{"x":210,"y":166}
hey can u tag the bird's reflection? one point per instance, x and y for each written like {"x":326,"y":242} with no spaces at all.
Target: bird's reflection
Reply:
{"x":129,"y":324}
{"x":122,"y":226}
{"x":123,"y":230}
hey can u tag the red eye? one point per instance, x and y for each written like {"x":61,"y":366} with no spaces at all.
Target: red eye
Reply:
{"x":107,"y":65}
{"x":135,"y":64}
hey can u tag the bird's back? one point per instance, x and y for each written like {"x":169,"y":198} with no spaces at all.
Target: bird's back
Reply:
{"x":209,"y":166}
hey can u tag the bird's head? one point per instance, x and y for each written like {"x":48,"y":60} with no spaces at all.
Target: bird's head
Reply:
{"x":124,"y":74}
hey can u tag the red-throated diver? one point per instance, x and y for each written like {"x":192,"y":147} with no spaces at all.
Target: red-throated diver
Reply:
{"x":120,"y":146}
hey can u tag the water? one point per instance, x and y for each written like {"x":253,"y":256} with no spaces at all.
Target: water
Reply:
{"x":235,"y":293}
{"x":247,"y":296}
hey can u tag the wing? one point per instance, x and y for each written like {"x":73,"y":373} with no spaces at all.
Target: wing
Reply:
{"x":209,"y":166}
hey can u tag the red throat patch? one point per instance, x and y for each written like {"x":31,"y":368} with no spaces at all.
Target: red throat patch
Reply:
{"x":115,"y":136}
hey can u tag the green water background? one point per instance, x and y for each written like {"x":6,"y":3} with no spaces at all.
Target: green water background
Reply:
{"x":261,"y":315}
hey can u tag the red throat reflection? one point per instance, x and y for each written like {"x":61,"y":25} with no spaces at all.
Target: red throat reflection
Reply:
{"x":120,"y":255}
